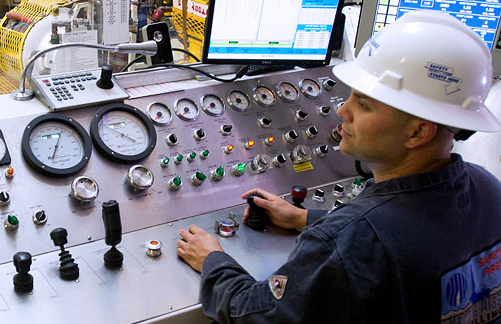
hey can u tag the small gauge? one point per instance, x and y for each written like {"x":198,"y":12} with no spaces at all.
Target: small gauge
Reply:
{"x":123,"y":133}
{"x":310,"y":88}
{"x":159,"y":113}
{"x":264,"y":96}
{"x":186,"y":109}
{"x":212,"y":105}
{"x":238,"y":100}
{"x":56,"y":145}
{"x":287,"y":92}
{"x":4,"y":151}
{"x":84,"y":189}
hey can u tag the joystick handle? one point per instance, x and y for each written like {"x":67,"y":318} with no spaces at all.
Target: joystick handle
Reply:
{"x":299,"y":194}
{"x":112,"y":223}
{"x":257,"y":216}
{"x":22,"y":262}
{"x":59,"y":236}
{"x":104,"y":81}
{"x":23,"y":281}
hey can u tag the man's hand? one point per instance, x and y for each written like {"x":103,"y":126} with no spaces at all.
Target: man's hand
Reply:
{"x":281,"y":212}
{"x":196,"y":246}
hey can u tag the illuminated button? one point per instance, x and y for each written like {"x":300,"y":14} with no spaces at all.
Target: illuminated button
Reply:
{"x":178,"y":159}
{"x":191,"y":157}
{"x":217,"y":174}
{"x":199,"y":134}
{"x":165,"y":162}
{"x":11,"y":223}
{"x":238,"y":169}
{"x":279,"y":160}
{"x":249,"y":145}
{"x":319,"y":196}
{"x":300,"y":115}
{"x":225,"y":129}
{"x":4,"y":198}
{"x":154,"y":248}
{"x":228,"y":149}
{"x":324,"y":111}
{"x":336,"y":133}
{"x":204,"y":154}
{"x":338,"y":191}
{"x":198,"y":178}
{"x":311,"y":132}
{"x":9,"y":173}
{"x":291,"y":136}
{"x":175,"y":183}
{"x":329,"y":84}
{"x":171,"y":139}
{"x":269,"y":140}
{"x":322,"y":150}
{"x":39,"y":217}
{"x":264,"y":122}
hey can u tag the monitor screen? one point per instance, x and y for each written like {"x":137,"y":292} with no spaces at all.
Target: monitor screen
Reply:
{"x":266,"y":32}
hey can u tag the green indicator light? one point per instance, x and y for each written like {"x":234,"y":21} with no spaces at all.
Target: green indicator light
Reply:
{"x":177,"y":181}
{"x":205,"y":153}
{"x":357,"y":182}
{"x":165,"y":161}
{"x":241,"y":167}
{"x":12,"y":220}
{"x":200,"y":176}
{"x":193,"y":155}
{"x":179,"y":158}
{"x":220,"y":171}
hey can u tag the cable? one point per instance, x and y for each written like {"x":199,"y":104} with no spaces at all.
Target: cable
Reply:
{"x":186,"y":52}
{"x":125,"y":68}
{"x":240,"y":73}
{"x":361,"y":172}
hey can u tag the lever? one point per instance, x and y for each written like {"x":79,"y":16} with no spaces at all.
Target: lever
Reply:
{"x":23,"y":281}
{"x":113,"y":234}
{"x":257,"y":216}
{"x":68,"y":269}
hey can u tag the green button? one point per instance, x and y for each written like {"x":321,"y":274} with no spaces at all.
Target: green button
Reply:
{"x":357,"y":182}
{"x":241,"y":167}
{"x":193,"y":155}
{"x":200,"y":176}
{"x":12,"y":220}
{"x":179,"y":158}
{"x":177,"y":181}
{"x":166,"y":161}
{"x":220,"y":171}
{"x":205,"y":153}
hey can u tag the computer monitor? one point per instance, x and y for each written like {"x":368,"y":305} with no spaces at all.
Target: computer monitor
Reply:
{"x":482,"y":16}
{"x":267,"y":32}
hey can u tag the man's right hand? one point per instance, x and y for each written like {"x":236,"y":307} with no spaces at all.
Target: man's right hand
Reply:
{"x":280,"y":212}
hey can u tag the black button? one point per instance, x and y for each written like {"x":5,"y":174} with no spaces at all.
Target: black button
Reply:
{"x":81,"y":75}
{"x":74,"y":76}
{"x":59,"y":99}
{"x":58,"y":88}
{"x":66,"y":81}
{"x":82,"y":88}
{"x":94,"y":78}
{"x":48,"y":84}
{"x":77,"y":80}
{"x":56,"y":95}
{"x":55,"y":78}
{"x":70,"y":96}
{"x":88,"y":73}
{"x":75,"y":89}
{"x":89,"y":78}
{"x":80,"y":85}
{"x":72,"y":81}
{"x":52,"y":89}
{"x":65,"y":98}
{"x":63,"y":87}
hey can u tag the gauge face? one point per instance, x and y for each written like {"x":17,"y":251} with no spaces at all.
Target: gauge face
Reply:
{"x":310,"y":88}
{"x":56,"y":145}
{"x":238,"y":100}
{"x":264,"y":96}
{"x":212,"y":105}
{"x":123,"y":133}
{"x":186,"y":109}
{"x":287,"y":92}
{"x":159,"y":113}
{"x":4,"y":151}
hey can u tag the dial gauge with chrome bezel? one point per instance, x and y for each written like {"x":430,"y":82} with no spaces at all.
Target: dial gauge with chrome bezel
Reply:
{"x":287,"y":92}
{"x":310,"y":88}
{"x":212,"y":105}
{"x":238,"y":100}
{"x":264,"y":96}
{"x":56,"y":145}
{"x":186,"y":109}
{"x":159,"y":113}
{"x":123,"y":133}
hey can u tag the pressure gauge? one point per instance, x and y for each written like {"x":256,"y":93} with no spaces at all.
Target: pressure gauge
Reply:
{"x":287,"y":92}
{"x":238,"y":100}
{"x":186,"y":109}
{"x":212,"y":105}
{"x":159,"y":113}
{"x":56,"y":145}
{"x":310,"y":88}
{"x":264,"y":96}
{"x":122,"y":133}
{"x":4,"y":152}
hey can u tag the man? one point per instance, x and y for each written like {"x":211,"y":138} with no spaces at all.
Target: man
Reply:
{"x":420,"y":244}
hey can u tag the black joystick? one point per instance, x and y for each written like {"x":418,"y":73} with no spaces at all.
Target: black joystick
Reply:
{"x":298,"y":193}
{"x":68,"y":269}
{"x":23,"y":281}
{"x":113,"y":234}
{"x":104,"y":81}
{"x":257,"y":216}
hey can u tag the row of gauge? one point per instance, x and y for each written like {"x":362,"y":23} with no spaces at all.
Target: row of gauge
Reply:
{"x":213,"y":105}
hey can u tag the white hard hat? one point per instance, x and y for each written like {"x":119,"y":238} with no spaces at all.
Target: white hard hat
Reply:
{"x":429,"y":65}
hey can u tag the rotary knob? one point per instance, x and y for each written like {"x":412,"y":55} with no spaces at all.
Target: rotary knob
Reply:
{"x":225,"y":130}
{"x":217,"y":174}
{"x":199,"y":134}
{"x":329,"y":84}
{"x":300,"y":115}
{"x":39,"y":217}
{"x":140,"y":177}
{"x":84,"y":189}
{"x":311,"y":132}
{"x":4,"y":198}
{"x":171,"y":139}
{"x":264,"y":122}
{"x":322,"y":150}
{"x":319,"y":196}
{"x":279,"y":160}
{"x":291,"y":136}
{"x":324,"y":111}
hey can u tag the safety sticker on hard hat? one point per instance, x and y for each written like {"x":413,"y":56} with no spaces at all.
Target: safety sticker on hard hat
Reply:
{"x":445,"y":74}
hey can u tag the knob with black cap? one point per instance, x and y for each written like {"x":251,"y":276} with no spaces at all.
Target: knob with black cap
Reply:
{"x":105,"y":81}
{"x":4,"y":198}
{"x":298,"y":193}
{"x":113,"y":234}
{"x":68,"y":269}
{"x":23,"y":281}
{"x":257,"y":219}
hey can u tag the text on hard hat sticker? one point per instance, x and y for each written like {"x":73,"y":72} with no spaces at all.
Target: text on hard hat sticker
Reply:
{"x":445,"y":74}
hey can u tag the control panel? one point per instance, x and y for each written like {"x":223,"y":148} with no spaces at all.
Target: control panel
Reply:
{"x":94,"y":198}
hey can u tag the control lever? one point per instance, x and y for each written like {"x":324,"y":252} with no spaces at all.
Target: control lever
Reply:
{"x":68,"y":269}
{"x":23,"y":281}
{"x":257,"y":216}
{"x":113,"y":234}
{"x":104,"y":81}
{"x":298,"y":193}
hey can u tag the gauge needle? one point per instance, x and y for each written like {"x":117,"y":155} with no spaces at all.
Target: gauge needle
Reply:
{"x":55,"y":147}
{"x":122,"y":135}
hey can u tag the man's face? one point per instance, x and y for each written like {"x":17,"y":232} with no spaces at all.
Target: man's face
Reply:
{"x":372,"y":131}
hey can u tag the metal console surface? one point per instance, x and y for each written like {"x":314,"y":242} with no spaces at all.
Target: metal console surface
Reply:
{"x":148,"y":288}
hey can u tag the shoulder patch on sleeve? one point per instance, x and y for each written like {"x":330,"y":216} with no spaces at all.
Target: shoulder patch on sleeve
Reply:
{"x":277,"y":286}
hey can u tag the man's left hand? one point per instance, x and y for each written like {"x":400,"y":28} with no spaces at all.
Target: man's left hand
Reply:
{"x":196,"y":246}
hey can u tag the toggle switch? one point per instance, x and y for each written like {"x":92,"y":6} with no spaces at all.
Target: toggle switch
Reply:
{"x":171,"y":139}
{"x":322,"y":150}
{"x":311,"y":132}
{"x":175,"y":183}
{"x":291,"y":136}
{"x":199,"y":134}
{"x":225,"y":130}
{"x":217,"y":174}
{"x":300,"y":115}
{"x":324,"y":111}
{"x":264,"y":122}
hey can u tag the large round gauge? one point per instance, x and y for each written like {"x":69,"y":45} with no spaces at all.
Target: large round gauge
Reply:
{"x":212,"y":105}
{"x":159,"y":113}
{"x":123,"y":133}
{"x":310,"y":88}
{"x":186,"y":109}
{"x":56,"y":145}
{"x":238,"y":100}
{"x":264,"y":96}
{"x":287,"y":92}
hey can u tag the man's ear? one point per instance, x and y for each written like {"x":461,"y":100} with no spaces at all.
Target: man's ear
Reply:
{"x":420,"y":133}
